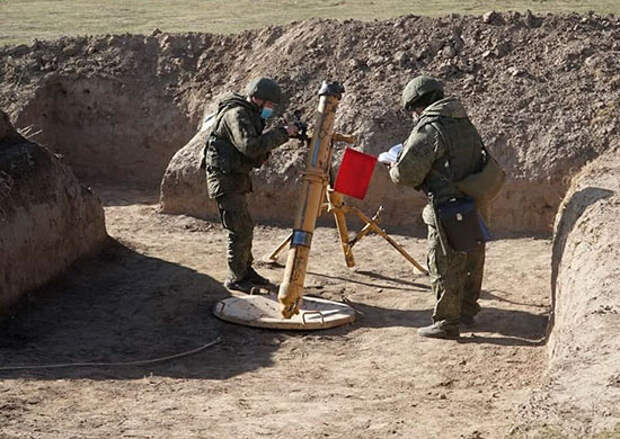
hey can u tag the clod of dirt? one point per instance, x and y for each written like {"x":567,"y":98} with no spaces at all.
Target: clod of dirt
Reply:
{"x":47,"y":219}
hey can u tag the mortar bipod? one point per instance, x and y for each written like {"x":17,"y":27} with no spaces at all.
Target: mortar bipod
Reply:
{"x":323,"y":207}
{"x":334,"y":203}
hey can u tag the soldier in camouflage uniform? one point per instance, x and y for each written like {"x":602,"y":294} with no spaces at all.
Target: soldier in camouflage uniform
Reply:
{"x":235,"y":146}
{"x":443,"y":147}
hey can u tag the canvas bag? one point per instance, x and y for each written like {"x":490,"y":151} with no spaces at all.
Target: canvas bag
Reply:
{"x":484,"y":186}
{"x":462,"y":224}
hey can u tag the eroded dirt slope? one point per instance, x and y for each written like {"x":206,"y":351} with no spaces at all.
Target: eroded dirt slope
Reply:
{"x":583,"y":384}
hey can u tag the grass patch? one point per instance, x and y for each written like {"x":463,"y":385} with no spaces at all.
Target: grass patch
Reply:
{"x":23,"y":20}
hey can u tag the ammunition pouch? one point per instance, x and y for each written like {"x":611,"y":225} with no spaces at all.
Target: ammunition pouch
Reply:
{"x":218,"y":155}
{"x":461,"y":223}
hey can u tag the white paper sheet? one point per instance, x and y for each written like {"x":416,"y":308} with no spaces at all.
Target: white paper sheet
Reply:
{"x":391,"y":156}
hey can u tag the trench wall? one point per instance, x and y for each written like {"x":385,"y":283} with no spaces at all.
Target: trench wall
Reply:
{"x":521,"y":207}
{"x":47,"y":219}
{"x":109,"y":131}
{"x":583,"y":345}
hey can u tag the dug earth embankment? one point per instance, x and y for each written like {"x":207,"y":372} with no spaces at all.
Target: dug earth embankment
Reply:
{"x":542,"y":89}
{"x":581,"y":393}
{"x":47,"y":218}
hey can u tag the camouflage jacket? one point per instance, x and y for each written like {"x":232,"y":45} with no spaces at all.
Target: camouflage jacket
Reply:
{"x":443,"y":147}
{"x":236,"y":145}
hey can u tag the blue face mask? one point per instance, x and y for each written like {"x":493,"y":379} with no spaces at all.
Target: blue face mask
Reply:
{"x":266,"y":113}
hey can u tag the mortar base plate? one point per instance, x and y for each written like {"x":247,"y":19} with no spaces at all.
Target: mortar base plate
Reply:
{"x":262,"y":311}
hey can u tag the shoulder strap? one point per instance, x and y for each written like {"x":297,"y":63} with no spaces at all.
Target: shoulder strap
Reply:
{"x":220,"y":115}
{"x":448,"y":163}
{"x":231,"y":102}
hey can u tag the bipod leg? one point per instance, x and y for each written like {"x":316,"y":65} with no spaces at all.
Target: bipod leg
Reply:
{"x":274,"y":255}
{"x":336,"y":203}
{"x":379,"y":231}
{"x":366,"y":229}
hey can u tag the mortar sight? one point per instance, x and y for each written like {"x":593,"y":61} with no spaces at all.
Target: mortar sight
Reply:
{"x":301,"y":126}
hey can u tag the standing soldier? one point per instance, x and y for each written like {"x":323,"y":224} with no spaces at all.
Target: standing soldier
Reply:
{"x":235,"y":146}
{"x":443,"y":148}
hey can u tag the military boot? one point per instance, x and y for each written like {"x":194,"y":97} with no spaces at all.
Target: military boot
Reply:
{"x":242,"y":285}
{"x":440,"y":330}
{"x":253,"y":277}
{"x":467,"y":320}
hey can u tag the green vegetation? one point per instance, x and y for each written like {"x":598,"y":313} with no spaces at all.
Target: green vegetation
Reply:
{"x":23,"y":20}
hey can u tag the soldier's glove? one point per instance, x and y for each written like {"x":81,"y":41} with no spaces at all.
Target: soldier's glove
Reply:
{"x":292,"y":130}
{"x":298,"y":129}
{"x":260,"y":160}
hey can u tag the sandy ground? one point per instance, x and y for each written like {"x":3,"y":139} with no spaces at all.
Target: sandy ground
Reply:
{"x":150,"y":294}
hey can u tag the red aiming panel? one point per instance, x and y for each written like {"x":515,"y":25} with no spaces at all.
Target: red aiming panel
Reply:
{"x":355,"y":173}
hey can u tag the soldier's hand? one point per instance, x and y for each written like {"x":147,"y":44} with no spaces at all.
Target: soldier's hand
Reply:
{"x":262,"y":159}
{"x":292,"y":130}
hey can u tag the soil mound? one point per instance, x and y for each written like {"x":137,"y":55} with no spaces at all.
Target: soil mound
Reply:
{"x":183,"y":187}
{"x":584,"y":348}
{"x":47,"y":220}
{"x":543,"y":91}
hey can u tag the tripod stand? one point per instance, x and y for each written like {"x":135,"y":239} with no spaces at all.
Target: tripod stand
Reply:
{"x":334,"y":203}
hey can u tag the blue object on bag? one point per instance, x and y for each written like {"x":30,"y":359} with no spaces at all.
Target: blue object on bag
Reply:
{"x":486,"y":233}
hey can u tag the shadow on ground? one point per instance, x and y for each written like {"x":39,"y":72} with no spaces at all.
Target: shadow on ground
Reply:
{"x":509,"y":327}
{"x":124,"y":306}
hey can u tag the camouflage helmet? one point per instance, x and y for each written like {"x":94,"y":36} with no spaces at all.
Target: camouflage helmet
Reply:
{"x":266,"y":89}
{"x":418,"y":87}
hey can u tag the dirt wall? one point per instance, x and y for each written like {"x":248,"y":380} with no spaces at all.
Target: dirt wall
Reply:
{"x":106,"y":127}
{"x":521,"y":207}
{"x":518,"y":97}
{"x":47,"y":219}
{"x":541,"y":89}
{"x":583,"y":383}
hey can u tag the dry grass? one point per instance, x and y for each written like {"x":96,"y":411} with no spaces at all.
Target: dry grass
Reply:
{"x":23,"y":20}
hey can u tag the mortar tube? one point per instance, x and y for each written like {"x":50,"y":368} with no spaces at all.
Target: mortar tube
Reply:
{"x":315,"y":180}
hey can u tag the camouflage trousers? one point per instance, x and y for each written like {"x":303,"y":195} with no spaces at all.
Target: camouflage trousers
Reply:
{"x":456,"y":278}
{"x":473,"y":284}
{"x":238,"y":223}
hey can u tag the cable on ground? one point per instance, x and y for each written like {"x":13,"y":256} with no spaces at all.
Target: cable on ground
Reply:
{"x":116,"y":364}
